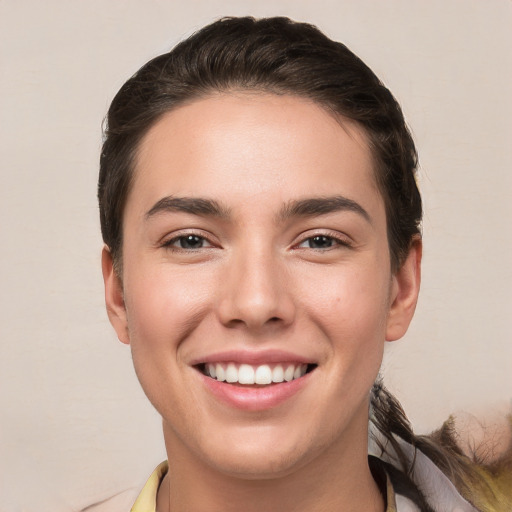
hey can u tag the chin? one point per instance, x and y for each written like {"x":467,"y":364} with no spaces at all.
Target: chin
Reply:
{"x":260,"y":454}
{"x":260,"y":466}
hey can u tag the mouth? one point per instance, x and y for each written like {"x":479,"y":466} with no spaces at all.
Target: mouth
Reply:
{"x":260,"y":375}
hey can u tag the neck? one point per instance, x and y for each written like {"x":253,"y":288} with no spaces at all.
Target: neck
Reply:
{"x":337,"y":480}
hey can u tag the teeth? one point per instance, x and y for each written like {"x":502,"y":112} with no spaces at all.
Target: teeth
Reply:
{"x":289,"y":372}
{"x":263,"y":374}
{"x":248,"y":374}
{"x":220,"y":373}
{"x":278,"y":374}
{"x":231,"y":373}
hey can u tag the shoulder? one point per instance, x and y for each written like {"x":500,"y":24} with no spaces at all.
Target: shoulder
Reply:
{"x":466,"y":465}
{"x":146,"y":501}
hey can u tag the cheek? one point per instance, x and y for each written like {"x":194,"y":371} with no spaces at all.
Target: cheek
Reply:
{"x":351,"y":310}
{"x":163,"y":308}
{"x":355,"y":301}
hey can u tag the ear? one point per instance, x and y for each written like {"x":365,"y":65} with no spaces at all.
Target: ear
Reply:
{"x":114,"y":299}
{"x":405,"y":287}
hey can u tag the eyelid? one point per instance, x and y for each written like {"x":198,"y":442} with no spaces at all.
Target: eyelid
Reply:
{"x":341,"y":239}
{"x":170,"y":238}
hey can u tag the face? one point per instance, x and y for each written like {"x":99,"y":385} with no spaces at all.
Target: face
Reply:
{"x":256,"y":291}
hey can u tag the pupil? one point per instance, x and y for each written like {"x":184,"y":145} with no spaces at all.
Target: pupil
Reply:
{"x":320,"y":242}
{"x":191,"y":242}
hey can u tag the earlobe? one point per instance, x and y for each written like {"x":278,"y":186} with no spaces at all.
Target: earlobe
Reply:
{"x":114,"y":299}
{"x":404,"y":292}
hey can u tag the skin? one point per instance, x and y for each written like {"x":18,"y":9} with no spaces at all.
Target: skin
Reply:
{"x":258,"y":280}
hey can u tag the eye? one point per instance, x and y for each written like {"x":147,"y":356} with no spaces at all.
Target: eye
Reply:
{"x":188,"y":242}
{"x":320,"y":242}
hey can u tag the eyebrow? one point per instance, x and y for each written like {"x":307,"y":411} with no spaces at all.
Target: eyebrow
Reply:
{"x":311,"y":207}
{"x":194,"y":205}
{"x":308,"y":207}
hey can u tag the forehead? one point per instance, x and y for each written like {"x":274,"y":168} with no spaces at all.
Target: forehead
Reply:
{"x":245,"y":145}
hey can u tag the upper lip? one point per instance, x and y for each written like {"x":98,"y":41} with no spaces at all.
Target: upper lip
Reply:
{"x":255,"y":357}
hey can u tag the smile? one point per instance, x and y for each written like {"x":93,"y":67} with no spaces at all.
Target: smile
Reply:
{"x":254,"y":381}
{"x":263,"y":374}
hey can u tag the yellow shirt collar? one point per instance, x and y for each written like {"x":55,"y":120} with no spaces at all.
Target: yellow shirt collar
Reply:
{"x":146,"y":501}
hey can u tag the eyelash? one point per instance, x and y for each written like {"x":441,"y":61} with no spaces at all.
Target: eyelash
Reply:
{"x":169,"y":244}
{"x":333,"y":238}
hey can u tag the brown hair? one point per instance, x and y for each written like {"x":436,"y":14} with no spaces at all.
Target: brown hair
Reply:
{"x":273,"y":55}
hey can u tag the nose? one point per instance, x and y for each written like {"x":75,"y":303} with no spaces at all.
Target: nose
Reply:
{"x":256,"y":292}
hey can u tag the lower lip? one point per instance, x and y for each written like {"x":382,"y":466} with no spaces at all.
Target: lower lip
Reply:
{"x":253,"y":398}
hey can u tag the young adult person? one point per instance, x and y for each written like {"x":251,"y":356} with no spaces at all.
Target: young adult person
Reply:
{"x":261,"y":222}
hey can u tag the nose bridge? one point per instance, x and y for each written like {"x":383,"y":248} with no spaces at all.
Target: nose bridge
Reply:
{"x":254,"y":292}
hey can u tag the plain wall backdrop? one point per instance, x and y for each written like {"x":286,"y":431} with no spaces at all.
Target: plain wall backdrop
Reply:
{"x":74,"y":426}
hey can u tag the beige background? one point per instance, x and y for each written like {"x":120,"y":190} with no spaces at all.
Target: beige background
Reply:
{"x":74,"y":426}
